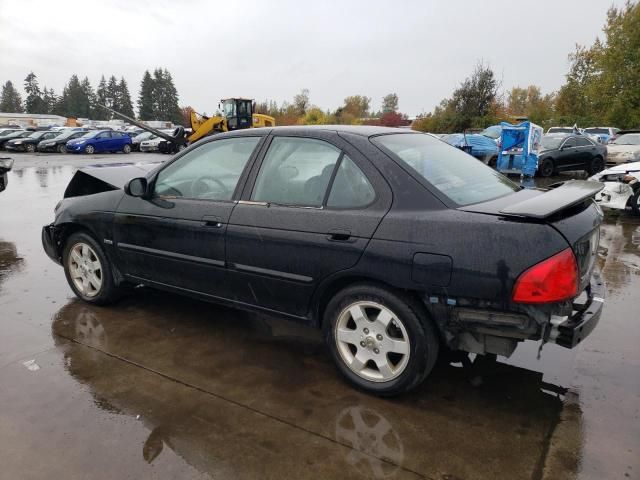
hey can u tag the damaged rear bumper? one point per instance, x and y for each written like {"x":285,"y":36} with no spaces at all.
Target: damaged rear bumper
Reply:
{"x":50,"y":244}
{"x":569,"y":331}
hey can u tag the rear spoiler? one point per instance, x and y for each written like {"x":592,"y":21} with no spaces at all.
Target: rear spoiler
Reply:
{"x":561,"y":196}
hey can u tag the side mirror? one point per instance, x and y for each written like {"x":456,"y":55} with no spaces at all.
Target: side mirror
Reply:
{"x":136,"y":187}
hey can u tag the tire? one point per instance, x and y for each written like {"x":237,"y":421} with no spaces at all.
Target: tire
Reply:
{"x":88,"y":270}
{"x":546,"y":168}
{"x":62,"y":149}
{"x":384,"y":361}
{"x":596,"y":165}
{"x":635,"y":202}
{"x":30,"y":148}
{"x":89,"y":149}
{"x":126,"y":148}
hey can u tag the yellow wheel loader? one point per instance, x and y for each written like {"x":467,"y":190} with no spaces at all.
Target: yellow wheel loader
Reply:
{"x":237,"y":113}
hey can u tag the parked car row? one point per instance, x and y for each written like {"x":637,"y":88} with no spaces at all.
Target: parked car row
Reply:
{"x":66,"y":140}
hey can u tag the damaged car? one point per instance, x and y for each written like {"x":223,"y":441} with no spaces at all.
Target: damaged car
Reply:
{"x":621,"y":187}
{"x":5,"y":167}
{"x":398,"y":246}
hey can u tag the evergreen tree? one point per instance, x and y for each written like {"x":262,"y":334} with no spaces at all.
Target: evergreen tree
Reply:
{"x":89,"y":99}
{"x":124,"y":99}
{"x":101,"y":94}
{"x":390,"y":103}
{"x":10,"y":100}
{"x":33,"y":103}
{"x":49,"y":99}
{"x":170,"y":95}
{"x":146,"y":109}
{"x":77,"y":99}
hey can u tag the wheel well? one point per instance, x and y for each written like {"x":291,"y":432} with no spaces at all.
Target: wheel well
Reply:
{"x":342,"y":283}
{"x":69,"y":229}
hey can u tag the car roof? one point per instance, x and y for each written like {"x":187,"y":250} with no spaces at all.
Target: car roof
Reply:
{"x":363,"y":130}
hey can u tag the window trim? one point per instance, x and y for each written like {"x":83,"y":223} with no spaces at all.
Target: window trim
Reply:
{"x":235,"y":196}
{"x":330,"y":187}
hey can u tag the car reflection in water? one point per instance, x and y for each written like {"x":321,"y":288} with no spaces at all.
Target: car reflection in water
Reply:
{"x":209,"y":389}
{"x":10,"y":261}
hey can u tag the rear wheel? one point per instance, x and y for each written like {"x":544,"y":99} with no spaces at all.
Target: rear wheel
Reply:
{"x":88,"y":270}
{"x":596,"y":165}
{"x":89,"y":149}
{"x":378,"y":340}
{"x":126,"y":148}
{"x":546,"y":168}
{"x":62,"y":149}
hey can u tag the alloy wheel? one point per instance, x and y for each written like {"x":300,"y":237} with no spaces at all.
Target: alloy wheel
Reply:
{"x":85,"y":269}
{"x":372,"y":341}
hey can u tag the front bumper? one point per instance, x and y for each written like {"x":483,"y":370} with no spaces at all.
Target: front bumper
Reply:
{"x":570,"y":331}
{"x":76,"y":148}
{"x":614,"y":195}
{"x":47,"y":148}
{"x":148,"y":148}
{"x":15,"y":148}
{"x":50,"y":244}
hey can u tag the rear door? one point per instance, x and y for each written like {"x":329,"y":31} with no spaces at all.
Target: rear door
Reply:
{"x":177,"y":237}
{"x":586,"y":150}
{"x":568,"y":154}
{"x":308,"y":211}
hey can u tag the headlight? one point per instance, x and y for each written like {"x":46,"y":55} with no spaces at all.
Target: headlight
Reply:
{"x":18,"y":142}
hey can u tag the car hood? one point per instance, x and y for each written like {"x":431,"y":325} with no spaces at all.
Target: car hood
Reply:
{"x":102,"y":178}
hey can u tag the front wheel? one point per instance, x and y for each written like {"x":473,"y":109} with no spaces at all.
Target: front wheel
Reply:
{"x":62,"y":149}
{"x":88,"y":270}
{"x":89,"y":149}
{"x":546,"y":168}
{"x":30,"y":147}
{"x":379,"y":340}
{"x":126,"y":149}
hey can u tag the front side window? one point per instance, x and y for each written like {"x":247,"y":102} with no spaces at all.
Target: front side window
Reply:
{"x":296,"y":171}
{"x":457,"y":175}
{"x":209,"y":172}
{"x":350,"y":188}
{"x":570,"y":143}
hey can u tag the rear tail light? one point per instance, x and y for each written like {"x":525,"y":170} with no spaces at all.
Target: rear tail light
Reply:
{"x":552,"y":280}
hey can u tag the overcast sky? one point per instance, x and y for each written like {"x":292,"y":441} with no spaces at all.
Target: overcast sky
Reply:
{"x":272,"y":49}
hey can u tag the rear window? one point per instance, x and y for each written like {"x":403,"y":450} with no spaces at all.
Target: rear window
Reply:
{"x":459,"y":176}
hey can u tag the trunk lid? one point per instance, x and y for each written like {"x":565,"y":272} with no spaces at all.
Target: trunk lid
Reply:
{"x":569,"y":207}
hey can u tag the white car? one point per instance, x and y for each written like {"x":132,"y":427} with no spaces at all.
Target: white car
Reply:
{"x":151,"y":145}
{"x":621,"y":187}
{"x":624,"y":149}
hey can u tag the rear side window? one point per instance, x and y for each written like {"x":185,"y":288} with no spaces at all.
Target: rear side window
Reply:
{"x":350,"y":188}
{"x":457,"y":175}
{"x":296,"y":171}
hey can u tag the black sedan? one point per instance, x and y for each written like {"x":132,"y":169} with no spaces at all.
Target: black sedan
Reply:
{"x":570,"y":152}
{"x":29,"y":143}
{"x":59,"y":142}
{"x":5,"y":167}
{"x":394,"y":243}
{"x":13,"y":135}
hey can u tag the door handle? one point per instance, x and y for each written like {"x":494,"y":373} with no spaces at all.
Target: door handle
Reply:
{"x":339,"y":235}
{"x":211,"y":221}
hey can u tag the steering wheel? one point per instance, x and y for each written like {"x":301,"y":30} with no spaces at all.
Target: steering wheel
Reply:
{"x":202,"y":188}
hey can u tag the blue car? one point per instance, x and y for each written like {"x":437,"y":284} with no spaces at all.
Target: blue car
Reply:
{"x":483,"y":148}
{"x":100,"y":141}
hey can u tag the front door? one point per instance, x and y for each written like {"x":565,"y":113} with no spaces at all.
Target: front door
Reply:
{"x":177,"y":236}
{"x":310,"y":213}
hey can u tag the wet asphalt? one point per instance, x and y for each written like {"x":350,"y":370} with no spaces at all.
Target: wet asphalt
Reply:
{"x":165,"y":387}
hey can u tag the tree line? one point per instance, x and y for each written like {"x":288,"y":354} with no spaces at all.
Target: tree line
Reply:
{"x":602,"y":88}
{"x":157,"y":100}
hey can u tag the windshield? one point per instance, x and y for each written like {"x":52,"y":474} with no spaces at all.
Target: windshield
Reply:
{"x":229,"y":108}
{"x":37,"y":134}
{"x":550,"y":142}
{"x":628,"y":139}
{"x":597,"y":130}
{"x":560,"y":130}
{"x":66,"y":134}
{"x":15,"y":134}
{"x":492,"y":132}
{"x":459,"y":176}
